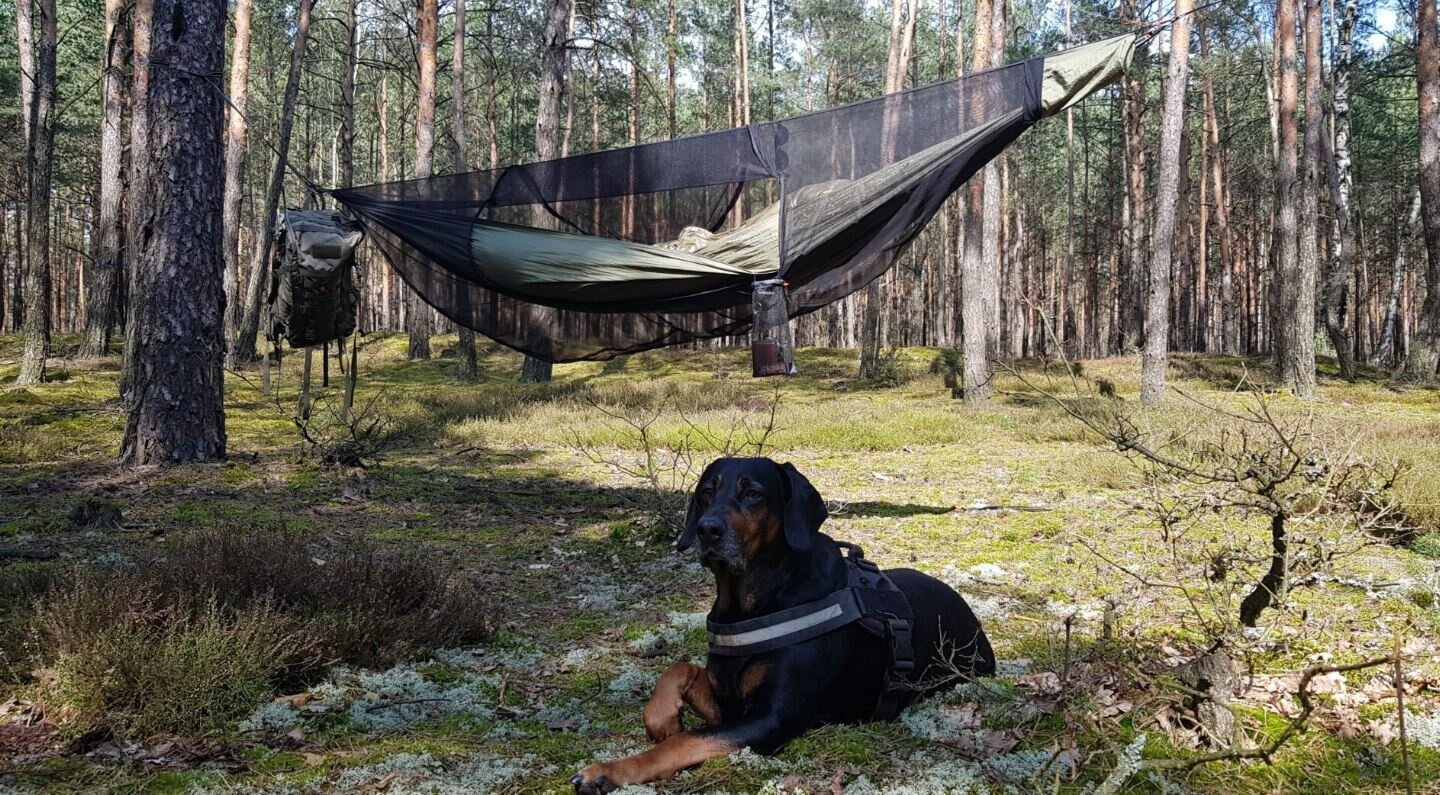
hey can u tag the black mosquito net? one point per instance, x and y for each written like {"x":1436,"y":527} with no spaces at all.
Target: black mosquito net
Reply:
{"x":620,"y":251}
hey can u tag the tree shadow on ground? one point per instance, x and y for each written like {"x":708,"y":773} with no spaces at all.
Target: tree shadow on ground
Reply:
{"x":1223,"y":372}
{"x":890,"y":510}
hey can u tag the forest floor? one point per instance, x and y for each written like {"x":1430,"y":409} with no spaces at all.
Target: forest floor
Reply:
{"x":1030,"y":514}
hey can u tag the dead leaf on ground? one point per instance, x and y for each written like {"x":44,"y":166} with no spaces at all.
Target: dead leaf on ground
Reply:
{"x":1047,"y":682}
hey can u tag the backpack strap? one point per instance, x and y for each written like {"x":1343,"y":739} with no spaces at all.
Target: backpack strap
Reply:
{"x":888,"y":615}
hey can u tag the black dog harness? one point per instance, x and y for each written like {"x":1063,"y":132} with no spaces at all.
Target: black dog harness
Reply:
{"x":869,"y":597}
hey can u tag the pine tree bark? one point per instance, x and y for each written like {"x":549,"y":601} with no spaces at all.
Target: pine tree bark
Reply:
{"x":1157,"y":306}
{"x":975,"y":315}
{"x":1299,"y":362}
{"x":1287,"y":240}
{"x":1342,"y":180}
{"x":872,"y":331}
{"x":235,"y":148}
{"x":135,"y":198}
{"x":1224,"y":234}
{"x":671,"y":87}
{"x":175,"y":396}
{"x":25,"y":43}
{"x":553,"y":67}
{"x":41,"y":160}
{"x":469,"y":359}
{"x":100,"y":298}
{"x":1131,"y":320}
{"x":1385,"y":351}
{"x":994,"y":206}
{"x":418,"y":312}
{"x":1425,"y":350}
{"x":243,"y":349}
{"x":1068,"y":291}
{"x":347,"y":94}
{"x":25,"y":46}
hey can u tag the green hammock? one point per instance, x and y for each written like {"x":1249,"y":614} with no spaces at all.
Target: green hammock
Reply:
{"x":650,"y":261}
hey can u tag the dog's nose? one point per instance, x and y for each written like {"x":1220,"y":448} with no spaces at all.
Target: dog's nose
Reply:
{"x":711,"y":529}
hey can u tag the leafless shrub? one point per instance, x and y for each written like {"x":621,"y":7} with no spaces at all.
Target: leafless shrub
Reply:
{"x":1319,"y":496}
{"x":666,"y":465}
{"x":340,"y":439}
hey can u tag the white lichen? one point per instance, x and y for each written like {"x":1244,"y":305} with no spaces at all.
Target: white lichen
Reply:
{"x":1019,"y":767}
{"x":1424,"y":730}
{"x":403,"y":696}
{"x":631,"y":682}
{"x":925,"y":776}
{"x":272,"y":717}
{"x":1125,"y":767}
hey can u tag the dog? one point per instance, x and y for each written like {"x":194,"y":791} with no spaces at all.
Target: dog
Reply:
{"x":755,"y":525}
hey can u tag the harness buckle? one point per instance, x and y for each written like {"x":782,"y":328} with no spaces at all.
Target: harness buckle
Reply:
{"x":901,"y":644}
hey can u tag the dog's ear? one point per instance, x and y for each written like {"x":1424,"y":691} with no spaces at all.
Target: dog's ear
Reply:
{"x":692,"y":513}
{"x":804,"y":510}
{"x":687,"y":535}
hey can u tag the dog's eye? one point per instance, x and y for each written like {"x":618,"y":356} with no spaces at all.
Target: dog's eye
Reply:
{"x":752,"y":494}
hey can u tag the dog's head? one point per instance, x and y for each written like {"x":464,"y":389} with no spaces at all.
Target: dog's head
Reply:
{"x":746,"y":508}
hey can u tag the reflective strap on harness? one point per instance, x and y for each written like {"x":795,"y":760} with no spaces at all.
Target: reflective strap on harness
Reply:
{"x":869,"y":597}
{"x":777,"y":630}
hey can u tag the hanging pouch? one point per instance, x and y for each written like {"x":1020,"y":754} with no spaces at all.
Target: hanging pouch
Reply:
{"x":772,"y":347}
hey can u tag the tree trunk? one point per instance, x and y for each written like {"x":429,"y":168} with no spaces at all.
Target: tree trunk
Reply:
{"x":418,"y":312}
{"x":243,"y":349}
{"x":25,"y":42}
{"x":1300,"y":359}
{"x":897,"y":61}
{"x":100,"y":300}
{"x":553,"y":62}
{"x":235,"y":148}
{"x":1342,"y":180}
{"x":347,"y":95}
{"x":1136,"y":223}
{"x":991,"y":252}
{"x":1067,"y":293}
{"x":1172,"y":122}
{"x":41,"y":160}
{"x":671,"y":89}
{"x":175,"y":397}
{"x":975,"y":315}
{"x":1385,"y":352}
{"x":469,"y":364}
{"x":1425,"y":351}
{"x":1229,"y":311}
{"x":1288,"y":275}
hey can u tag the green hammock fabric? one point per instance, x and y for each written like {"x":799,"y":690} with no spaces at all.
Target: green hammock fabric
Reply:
{"x":650,"y":262}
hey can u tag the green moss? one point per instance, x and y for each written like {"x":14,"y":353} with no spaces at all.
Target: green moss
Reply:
{"x":490,"y":474}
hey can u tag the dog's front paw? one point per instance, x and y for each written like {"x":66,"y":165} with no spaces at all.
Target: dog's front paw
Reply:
{"x":593,"y":781}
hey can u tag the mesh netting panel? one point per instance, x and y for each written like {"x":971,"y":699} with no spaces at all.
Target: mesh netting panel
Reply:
{"x":615,"y":252}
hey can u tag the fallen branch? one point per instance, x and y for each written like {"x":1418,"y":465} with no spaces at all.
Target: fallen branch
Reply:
{"x":389,"y":704}
{"x":1000,"y":506}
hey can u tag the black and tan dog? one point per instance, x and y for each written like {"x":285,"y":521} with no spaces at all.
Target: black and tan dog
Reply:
{"x":756,"y":526}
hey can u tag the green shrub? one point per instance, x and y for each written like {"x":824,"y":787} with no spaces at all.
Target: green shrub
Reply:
{"x":890,"y":369}
{"x":949,"y":364}
{"x":121,"y":658}
{"x":1428,"y":545}
{"x":362,"y":604}
{"x":187,"y":642}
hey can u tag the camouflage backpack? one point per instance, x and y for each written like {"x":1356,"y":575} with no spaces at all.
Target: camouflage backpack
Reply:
{"x":312,"y":284}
